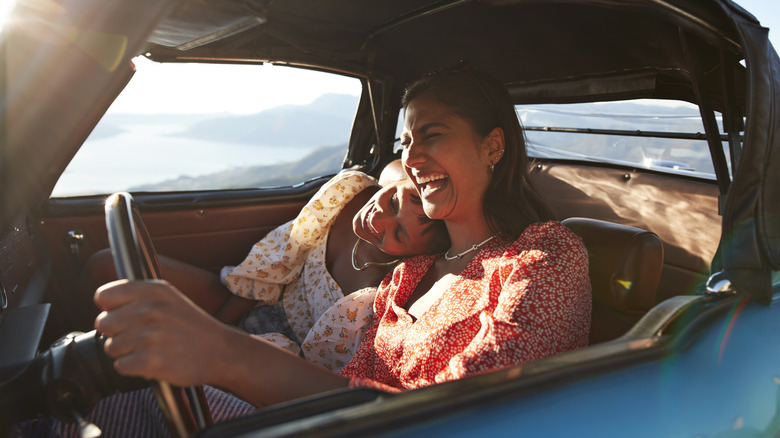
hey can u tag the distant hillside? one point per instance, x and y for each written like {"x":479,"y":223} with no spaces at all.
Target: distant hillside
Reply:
{"x":105,"y":129}
{"x":278,"y":126}
{"x":322,"y":161}
{"x":157,"y":119}
{"x":328,"y":119}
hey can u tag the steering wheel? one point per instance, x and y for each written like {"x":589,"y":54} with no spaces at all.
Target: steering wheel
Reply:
{"x":185,"y":409}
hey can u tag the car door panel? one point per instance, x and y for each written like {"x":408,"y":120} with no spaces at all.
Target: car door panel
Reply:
{"x":204,"y":229}
{"x":206,"y":237}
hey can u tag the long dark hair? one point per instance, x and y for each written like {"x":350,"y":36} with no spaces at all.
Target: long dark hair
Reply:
{"x":511,"y":203}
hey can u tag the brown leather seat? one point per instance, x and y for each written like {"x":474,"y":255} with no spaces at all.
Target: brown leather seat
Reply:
{"x":625,"y":269}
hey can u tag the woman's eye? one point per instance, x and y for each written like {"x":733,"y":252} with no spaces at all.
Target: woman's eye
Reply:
{"x":394,"y":202}
{"x":432,"y":135}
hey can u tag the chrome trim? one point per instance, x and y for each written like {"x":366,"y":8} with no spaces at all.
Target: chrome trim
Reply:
{"x":718,"y":284}
{"x":3,"y":298}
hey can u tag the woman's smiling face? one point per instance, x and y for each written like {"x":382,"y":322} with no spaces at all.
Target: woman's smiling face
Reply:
{"x":445,"y":158}
{"x":393,"y":220}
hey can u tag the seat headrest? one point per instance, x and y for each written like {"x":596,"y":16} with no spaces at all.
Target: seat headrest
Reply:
{"x":625,"y":263}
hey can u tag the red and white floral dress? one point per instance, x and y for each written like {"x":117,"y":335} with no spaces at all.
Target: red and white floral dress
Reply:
{"x":514,"y":302}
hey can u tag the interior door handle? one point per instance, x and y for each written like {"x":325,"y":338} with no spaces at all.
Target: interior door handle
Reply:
{"x":74,"y":240}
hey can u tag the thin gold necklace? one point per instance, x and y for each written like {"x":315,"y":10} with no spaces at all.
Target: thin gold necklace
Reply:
{"x":474,"y":247}
{"x":367,"y":264}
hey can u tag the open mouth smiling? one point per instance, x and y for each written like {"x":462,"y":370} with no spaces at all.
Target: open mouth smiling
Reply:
{"x":430,"y":183}
{"x":369,"y":227}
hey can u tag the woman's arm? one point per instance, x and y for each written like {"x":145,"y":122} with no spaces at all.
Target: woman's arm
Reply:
{"x":155,"y":332}
{"x":234,"y":308}
{"x":201,"y":286}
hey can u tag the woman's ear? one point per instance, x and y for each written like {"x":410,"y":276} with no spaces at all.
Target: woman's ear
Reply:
{"x":495,"y":145}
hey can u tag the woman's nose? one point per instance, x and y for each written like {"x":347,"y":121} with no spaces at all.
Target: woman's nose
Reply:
{"x":412,"y":155}
{"x":382,"y":220}
{"x":383,"y":213}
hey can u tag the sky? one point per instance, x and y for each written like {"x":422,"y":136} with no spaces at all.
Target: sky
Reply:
{"x":179,"y":88}
{"x":768,"y":14}
{"x":177,"y":92}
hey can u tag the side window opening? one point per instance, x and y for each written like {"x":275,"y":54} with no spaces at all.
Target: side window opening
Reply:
{"x":666,"y":136}
{"x":182,"y":127}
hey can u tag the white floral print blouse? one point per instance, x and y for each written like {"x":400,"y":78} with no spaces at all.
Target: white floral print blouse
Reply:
{"x":291,"y":259}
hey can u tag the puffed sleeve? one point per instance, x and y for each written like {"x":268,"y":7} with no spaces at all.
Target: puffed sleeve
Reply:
{"x":335,"y":337}
{"x":279,"y":257}
{"x":264,"y":272}
{"x":543,"y":305}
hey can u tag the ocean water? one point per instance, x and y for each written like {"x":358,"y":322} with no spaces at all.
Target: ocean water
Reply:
{"x":153,"y":153}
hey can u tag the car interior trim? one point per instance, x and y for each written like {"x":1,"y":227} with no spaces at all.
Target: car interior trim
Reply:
{"x":21,"y":331}
{"x":169,"y":201}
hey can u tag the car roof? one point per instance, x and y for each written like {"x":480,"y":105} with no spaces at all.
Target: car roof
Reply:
{"x":613,"y":48}
{"x":65,"y":66}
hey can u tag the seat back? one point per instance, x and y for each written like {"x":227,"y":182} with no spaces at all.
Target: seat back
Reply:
{"x":625,"y":269}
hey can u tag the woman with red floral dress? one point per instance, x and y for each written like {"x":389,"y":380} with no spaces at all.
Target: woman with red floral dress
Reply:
{"x":512,"y":287}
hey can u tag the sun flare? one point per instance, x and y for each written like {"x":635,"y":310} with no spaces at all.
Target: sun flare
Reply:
{"x":5,"y":11}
